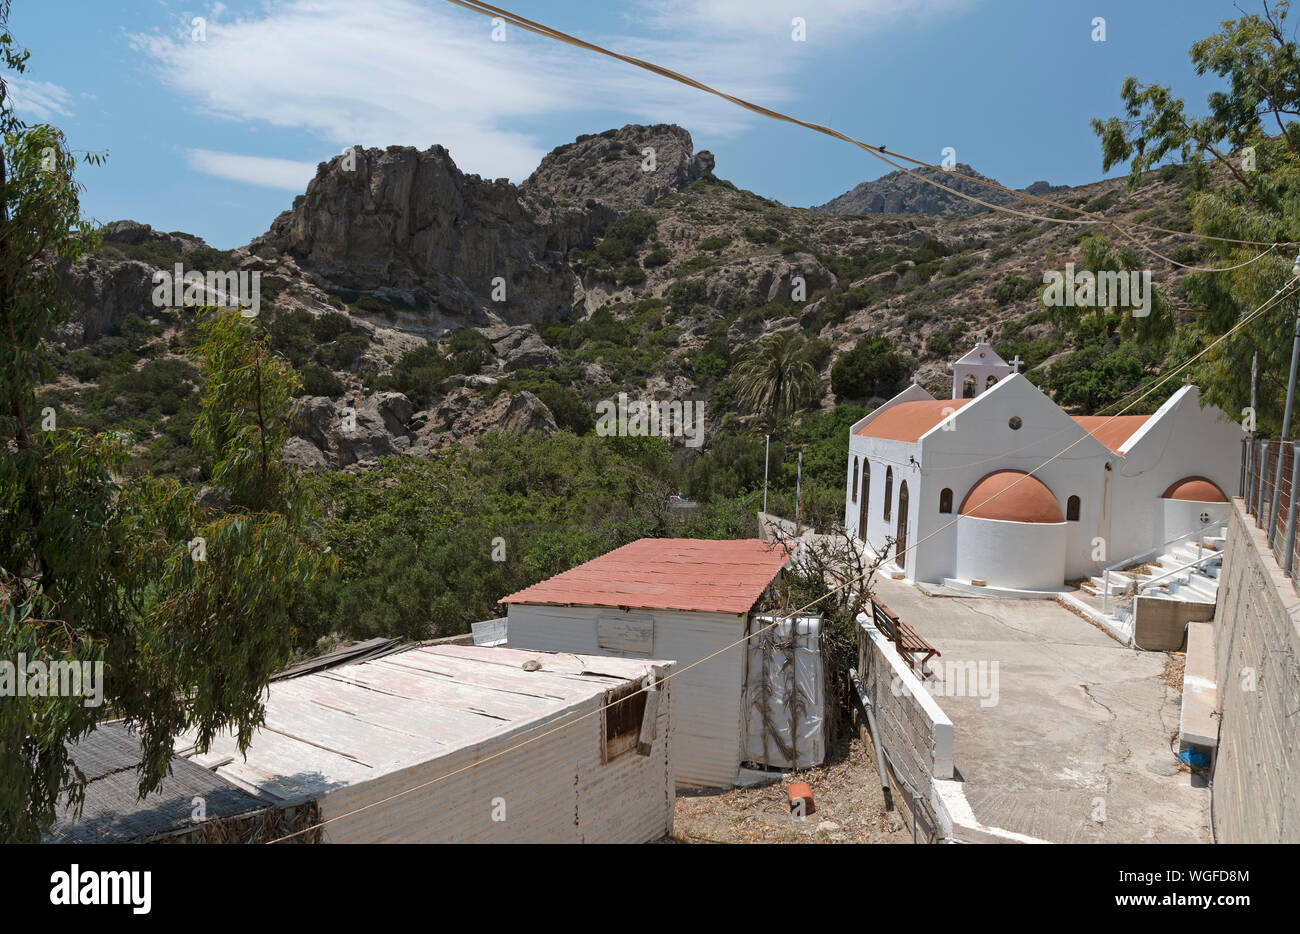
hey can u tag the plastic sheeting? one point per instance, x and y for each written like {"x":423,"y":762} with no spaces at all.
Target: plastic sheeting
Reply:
{"x":785,"y":694}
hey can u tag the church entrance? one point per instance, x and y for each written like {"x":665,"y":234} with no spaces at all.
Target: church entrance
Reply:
{"x":900,"y":552}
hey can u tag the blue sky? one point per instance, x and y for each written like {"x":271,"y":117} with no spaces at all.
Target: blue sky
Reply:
{"x":216,"y":137}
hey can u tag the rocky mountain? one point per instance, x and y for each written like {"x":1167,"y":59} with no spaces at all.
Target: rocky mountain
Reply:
{"x":383,"y":286}
{"x":624,"y":169}
{"x":903,"y":193}
{"x":411,"y":229}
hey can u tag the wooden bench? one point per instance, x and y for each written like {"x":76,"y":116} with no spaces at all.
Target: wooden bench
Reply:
{"x":907,"y":641}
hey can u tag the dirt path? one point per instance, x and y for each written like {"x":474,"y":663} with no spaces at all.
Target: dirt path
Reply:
{"x":846,"y":793}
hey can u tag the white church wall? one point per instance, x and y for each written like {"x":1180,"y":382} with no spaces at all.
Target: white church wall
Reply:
{"x":883,"y":455}
{"x":1021,"y":555}
{"x":1180,"y":516}
{"x":1181,"y":440}
{"x":1120,"y":511}
{"x":982,"y":442}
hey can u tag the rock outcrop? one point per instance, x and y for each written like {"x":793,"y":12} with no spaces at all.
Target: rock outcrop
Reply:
{"x":410,"y":228}
{"x":344,"y":433}
{"x":901,"y":193}
{"x":615,"y":167}
{"x":105,"y":289}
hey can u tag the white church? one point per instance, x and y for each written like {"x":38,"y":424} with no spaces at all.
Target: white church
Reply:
{"x":1123,"y":485}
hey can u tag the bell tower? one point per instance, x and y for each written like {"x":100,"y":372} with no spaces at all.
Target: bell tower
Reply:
{"x":979,"y":369}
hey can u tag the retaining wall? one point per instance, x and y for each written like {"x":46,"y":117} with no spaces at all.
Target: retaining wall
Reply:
{"x":1257,"y":657}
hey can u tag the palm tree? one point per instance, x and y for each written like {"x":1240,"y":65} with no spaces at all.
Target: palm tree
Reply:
{"x":773,"y":376}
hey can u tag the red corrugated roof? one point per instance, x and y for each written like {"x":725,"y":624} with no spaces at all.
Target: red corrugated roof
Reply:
{"x":907,"y":421}
{"x":667,"y":574}
{"x":1112,"y":432}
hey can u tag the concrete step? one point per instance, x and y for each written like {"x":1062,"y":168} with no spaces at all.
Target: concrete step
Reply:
{"x":1197,"y":725}
{"x":1191,"y":591}
{"x":1119,"y":582}
{"x":1184,"y":554}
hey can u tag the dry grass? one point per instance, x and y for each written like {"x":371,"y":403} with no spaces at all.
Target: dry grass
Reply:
{"x":1173,"y":673}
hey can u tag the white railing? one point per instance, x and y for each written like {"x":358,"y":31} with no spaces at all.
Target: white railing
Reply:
{"x":1143,"y":585}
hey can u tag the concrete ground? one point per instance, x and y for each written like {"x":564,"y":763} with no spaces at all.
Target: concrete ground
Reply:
{"x":1077,"y":747}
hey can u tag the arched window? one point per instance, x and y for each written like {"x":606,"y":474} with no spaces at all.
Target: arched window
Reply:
{"x":988,"y":383}
{"x":968,"y":386}
{"x":855,"y":479}
{"x":945,"y":501}
{"x":889,"y":491}
{"x":900,"y":539}
{"x":1072,"y":509}
{"x":866,"y":498}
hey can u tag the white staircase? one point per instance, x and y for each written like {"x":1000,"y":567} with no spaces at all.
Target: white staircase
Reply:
{"x":1186,"y":570}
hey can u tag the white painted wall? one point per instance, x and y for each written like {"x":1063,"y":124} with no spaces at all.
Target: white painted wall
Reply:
{"x":1020,"y":555}
{"x":1120,"y":508}
{"x":552,"y":785}
{"x":884,"y":455}
{"x":980,"y":442}
{"x":707,"y":699}
{"x":1180,"y":516}
{"x":1181,"y":440}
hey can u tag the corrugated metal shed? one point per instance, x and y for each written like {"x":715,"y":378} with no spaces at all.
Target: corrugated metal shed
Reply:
{"x":667,"y":574}
{"x":462,"y":736}
{"x":113,"y":812}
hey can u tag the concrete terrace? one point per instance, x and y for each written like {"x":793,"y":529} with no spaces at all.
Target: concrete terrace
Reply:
{"x":1078,"y":718}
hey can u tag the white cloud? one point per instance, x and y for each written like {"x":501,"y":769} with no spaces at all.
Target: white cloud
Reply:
{"x":400,"y":72}
{"x":254,"y":170}
{"x":40,"y":100}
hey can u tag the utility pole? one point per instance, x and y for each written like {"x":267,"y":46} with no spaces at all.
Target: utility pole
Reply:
{"x":767,"y":448}
{"x":798,"y":498}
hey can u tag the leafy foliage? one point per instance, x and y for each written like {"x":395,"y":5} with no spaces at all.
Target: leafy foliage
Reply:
{"x":871,"y":368}
{"x":1260,"y":61}
{"x":774,"y":375}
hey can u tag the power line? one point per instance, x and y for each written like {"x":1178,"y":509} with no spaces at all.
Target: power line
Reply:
{"x":1085,"y":217}
{"x":546,"y":31}
{"x":847,"y":583}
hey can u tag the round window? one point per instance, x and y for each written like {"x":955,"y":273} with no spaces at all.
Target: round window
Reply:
{"x":1014,"y":422}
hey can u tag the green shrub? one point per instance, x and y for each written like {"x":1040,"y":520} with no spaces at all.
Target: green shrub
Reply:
{"x":318,"y":381}
{"x":623,"y":237}
{"x":1013,"y":289}
{"x":567,"y":407}
{"x":683,"y":296}
{"x":871,"y":368}
{"x":656,"y":258}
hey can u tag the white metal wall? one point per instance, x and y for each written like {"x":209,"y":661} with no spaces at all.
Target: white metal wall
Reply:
{"x":553,"y":790}
{"x":707,"y":698}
